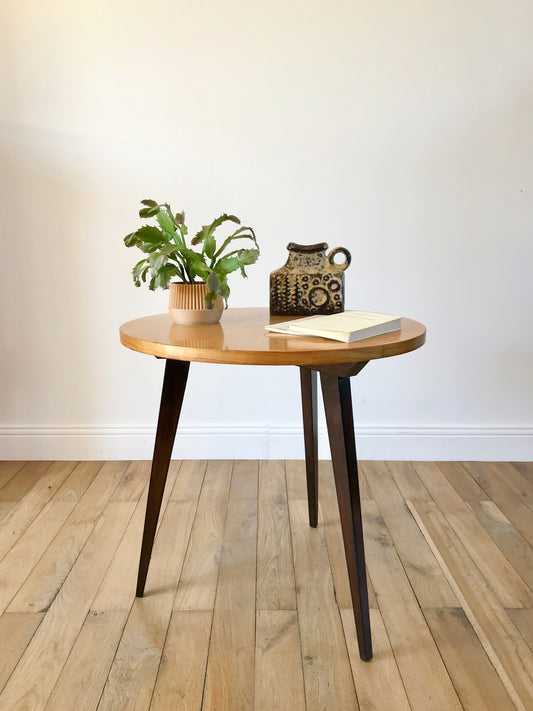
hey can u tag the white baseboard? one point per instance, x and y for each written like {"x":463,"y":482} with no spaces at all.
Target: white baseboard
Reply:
{"x":264,"y":442}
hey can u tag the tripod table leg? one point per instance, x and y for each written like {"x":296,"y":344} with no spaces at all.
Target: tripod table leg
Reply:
{"x":174,"y":382}
{"x":309,"y":411}
{"x":339,"y":418}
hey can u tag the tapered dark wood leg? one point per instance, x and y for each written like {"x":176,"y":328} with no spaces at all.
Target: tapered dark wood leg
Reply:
{"x":174,"y":382}
{"x":309,"y":411}
{"x":339,"y":418}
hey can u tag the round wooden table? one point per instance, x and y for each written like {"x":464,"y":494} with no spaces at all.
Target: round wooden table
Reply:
{"x":240,"y":338}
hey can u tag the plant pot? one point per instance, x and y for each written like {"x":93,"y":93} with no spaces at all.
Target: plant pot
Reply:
{"x":186,"y":304}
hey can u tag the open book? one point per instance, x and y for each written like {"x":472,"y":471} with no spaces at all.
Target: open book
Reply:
{"x":347,"y":326}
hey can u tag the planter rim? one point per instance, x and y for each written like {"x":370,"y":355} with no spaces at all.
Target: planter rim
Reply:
{"x":188,"y":283}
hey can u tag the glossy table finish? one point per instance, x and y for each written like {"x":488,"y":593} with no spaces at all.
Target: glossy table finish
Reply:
{"x":240,"y":338}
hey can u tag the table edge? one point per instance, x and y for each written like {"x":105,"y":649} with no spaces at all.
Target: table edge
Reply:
{"x":300,"y":358}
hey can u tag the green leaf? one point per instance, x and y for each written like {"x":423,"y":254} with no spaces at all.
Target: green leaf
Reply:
{"x":247,"y":256}
{"x":220,"y":221}
{"x":210,"y":246}
{"x":200,"y":235}
{"x":148,"y":211}
{"x":236,"y":235}
{"x":223,"y":218}
{"x":166,"y":222}
{"x":242,"y":231}
{"x":192,"y":262}
{"x":210,"y":299}
{"x":212,"y":282}
{"x":163,"y":278}
{"x":149,"y":203}
{"x":138,"y":268}
{"x":157,"y":260}
{"x":196,"y":265}
{"x":223,"y":289}
{"x":169,"y":271}
{"x":208,"y":230}
{"x":201,"y":270}
{"x":151,"y":235}
{"x":172,"y":270}
{"x":227,"y":265}
{"x":131,"y":240}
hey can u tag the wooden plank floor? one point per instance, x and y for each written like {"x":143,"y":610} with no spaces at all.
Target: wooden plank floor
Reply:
{"x":246,"y":607}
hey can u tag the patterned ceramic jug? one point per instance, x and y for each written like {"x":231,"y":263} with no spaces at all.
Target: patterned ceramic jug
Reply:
{"x":310,"y":282}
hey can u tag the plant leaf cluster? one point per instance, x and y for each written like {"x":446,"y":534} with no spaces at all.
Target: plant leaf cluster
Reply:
{"x":170,"y":257}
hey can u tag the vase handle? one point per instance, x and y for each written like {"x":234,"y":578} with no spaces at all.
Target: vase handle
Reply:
{"x":344,"y":265}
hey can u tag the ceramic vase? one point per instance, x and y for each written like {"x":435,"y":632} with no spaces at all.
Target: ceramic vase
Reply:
{"x":310,"y":282}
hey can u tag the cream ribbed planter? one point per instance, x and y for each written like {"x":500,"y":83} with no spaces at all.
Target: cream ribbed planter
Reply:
{"x":186,"y":304}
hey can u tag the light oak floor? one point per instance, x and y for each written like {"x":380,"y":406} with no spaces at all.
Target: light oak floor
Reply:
{"x":246,"y":607}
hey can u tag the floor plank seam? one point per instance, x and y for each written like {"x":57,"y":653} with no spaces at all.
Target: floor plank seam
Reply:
{"x":518,"y":535}
{"x":179,"y":573}
{"x":126,"y":618}
{"x":14,"y":474}
{"x":216,"y":591}
{"x":61,"y":582}
{"x":476,"y":625}
{"x":431,"y":497}
{"x":447,"y":666}
{"x":255,"y":578}
{"x":27,"y":645}
{"x":529,"y":642}
{"x":337,"y":606}
{"x":295,"y":593}
{"x":394,"y":654}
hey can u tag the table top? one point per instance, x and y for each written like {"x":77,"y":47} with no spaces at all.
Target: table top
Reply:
{"x":240,"y":338}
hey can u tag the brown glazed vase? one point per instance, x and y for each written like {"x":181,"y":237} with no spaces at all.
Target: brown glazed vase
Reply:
{"x":310,"y":282}
{"x":187,"y":306}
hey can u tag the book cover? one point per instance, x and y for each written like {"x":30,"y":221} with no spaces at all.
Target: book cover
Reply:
{"x":348,"y":326}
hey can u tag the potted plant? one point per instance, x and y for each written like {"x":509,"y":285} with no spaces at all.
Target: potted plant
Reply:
{"x":202,"y":290}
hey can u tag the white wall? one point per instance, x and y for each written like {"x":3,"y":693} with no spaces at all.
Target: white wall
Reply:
{"x":402,"y":131}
